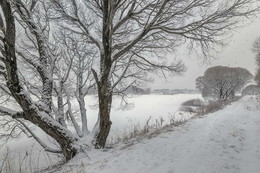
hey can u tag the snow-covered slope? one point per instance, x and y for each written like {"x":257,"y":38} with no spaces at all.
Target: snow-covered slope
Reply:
{"x":30,"y":157}
{"x":226,"y":141}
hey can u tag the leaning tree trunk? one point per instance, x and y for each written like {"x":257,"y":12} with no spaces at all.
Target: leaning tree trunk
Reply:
{"x":43,"y":120}
{"x":31,"y":112}
{"x":64,"y":138}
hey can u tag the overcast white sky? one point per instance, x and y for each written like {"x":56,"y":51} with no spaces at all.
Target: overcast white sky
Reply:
{"x":237,"y":54}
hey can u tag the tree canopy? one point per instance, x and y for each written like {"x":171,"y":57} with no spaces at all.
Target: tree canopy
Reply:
{"x":222,"y":82}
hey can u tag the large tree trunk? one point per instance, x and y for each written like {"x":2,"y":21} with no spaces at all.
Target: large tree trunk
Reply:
{"x":104,"y":84}
{"x":105,"y":100}
{"x":64,"y":138}
{"x":31,"y":112}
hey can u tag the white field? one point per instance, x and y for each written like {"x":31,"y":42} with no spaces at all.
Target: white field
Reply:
{"x":26,"y":152}
{"x":139,"y":110}
{"x":226,"y":141}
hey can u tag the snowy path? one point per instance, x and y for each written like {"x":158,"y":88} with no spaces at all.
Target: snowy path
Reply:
{"x":227,"y":141}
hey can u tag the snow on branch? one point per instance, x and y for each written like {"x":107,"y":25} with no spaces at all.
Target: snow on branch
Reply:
{"x":6,"y":111}
{"x":45,"y":146}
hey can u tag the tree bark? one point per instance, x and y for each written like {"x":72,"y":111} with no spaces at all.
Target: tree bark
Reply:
{"x":64,"y":138}
{"x":104,"y":84}
{"x":83,"y":113}
{"x":105,"y":100}
{"x":30,"y":111}
{"x":60,"y":117}
{"x":82,"y":106}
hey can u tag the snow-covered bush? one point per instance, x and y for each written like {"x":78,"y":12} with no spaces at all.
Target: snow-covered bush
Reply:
{"x":213,"y":106}
{"x":194,"y":102}
{"x":251,"y":90}
{"x":191,"y":105}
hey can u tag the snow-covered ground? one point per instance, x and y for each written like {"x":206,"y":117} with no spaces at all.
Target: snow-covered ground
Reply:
{"x":23,"y":151}
{"x":140,"y":108}
{"x":226,"y":141}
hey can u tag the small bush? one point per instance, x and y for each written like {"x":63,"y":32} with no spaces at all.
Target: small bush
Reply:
{"x":191,"y":105}
{"x":211,"y":107}
{"x":199,"y":107}
{"x":193,"y":102}
{"x":187,"y":109}
{"x":214,"y":106}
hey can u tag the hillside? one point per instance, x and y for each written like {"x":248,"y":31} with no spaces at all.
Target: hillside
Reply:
{"x":225,"y":141}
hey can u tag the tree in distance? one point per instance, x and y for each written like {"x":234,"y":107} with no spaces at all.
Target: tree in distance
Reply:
{"x":222,"y":82}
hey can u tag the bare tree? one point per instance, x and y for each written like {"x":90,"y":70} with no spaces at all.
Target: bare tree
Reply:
{"x":131,"y":35}
{"x":38,"y":56}
{"x":38,"y":113}
{"x":121,"y":41}
{"x":80,"y":58}
{"x":221,"y":82}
